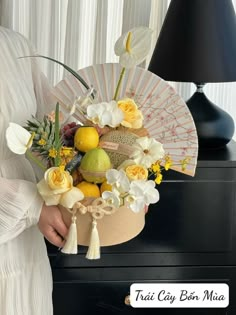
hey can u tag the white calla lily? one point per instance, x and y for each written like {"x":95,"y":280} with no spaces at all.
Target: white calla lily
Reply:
{"x":141,"y":194}
{"x":105,"y":114}
{"x":133,"y":46}
{"x":147,"y":151}
{"x":18,"y":138}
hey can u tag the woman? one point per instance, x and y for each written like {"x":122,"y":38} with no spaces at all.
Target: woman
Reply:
{"x":25,"y":274}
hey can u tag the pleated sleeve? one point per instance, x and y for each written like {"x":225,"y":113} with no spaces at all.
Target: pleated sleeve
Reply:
{"x":20,"y":207}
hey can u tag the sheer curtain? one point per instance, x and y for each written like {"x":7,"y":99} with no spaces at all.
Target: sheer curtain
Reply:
{"x":83,"y":32}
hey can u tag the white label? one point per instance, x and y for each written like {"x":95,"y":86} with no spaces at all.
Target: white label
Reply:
{"x":170,"y":295}
{"x":109,"y":145}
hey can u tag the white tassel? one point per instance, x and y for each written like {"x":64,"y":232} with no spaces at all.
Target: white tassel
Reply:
{"x":94,"y":246}
{"x":70,"y":246}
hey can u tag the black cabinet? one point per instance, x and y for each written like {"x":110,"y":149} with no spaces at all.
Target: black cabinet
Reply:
{"x":189,"y":236}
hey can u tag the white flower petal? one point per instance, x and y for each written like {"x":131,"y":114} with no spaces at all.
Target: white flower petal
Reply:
{"x":146,"y":190}
{"x":147,"y":151}
{"x":95,"y":109}
{"x":137,"y":188}
{"x":112,"y":176}
{"x":128,"y":60}
{"x":112,"y":105}
{"x":105,"y":119}
{"x":117,"y":117}
{"x":69,"y":198}
{"x":43,"y":188}
{"x":137,"y":205}
{"x":143,"y":142}
{"x":118,"y":180}
{"x":120,"y":45}
{"x":156,"y":150}
{"x":151,"y":193}
{"x":47,"y":194}
{"x":147,"y":160}
{"x":140,"y":44}
{"x":152,"y":196}
{"x":17,"y":138}
{"x":105,"y":114}
{"x":142,"y":193}
{"x":51,"y":200}
{"x":111,"y":198}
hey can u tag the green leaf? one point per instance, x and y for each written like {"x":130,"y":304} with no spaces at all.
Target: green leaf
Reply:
{"x":32,"y":124}
{"x":74,"y":73}
{"x":57,"y":136}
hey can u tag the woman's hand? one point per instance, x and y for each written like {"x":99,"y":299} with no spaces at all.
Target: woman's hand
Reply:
{"x":52,"y":225}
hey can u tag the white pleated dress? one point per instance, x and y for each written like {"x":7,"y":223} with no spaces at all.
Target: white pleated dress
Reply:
{"x":25,"y":274}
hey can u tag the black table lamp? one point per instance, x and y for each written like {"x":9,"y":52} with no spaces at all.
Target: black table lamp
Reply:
{"x":197,"y":43}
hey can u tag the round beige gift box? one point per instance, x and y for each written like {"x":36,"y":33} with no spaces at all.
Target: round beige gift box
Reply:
{"x":118,"y":227}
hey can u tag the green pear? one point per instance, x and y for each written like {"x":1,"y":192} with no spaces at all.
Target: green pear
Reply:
{"x":94,"y":165}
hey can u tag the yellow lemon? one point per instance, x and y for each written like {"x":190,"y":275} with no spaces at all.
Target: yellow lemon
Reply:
{"x":89,"y":189}
{"x":105,"y":187}
{"x":86,"y":138}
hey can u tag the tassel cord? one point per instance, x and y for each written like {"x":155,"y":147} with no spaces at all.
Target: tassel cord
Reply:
{"x":94,"y":246}
{"x":71,"y":244}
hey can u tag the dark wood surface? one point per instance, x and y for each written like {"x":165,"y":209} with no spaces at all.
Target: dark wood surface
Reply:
{"x":189,"y":236}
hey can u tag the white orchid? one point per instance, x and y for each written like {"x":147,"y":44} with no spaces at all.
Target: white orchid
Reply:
{"x":112,"y":197}
{"x":133,"y":46}
{"x":105,"y":114}
{"x":147,"y":151}
{"x":118,"y":180}
{"x":141,"y":194}
{"x":18,"y":138}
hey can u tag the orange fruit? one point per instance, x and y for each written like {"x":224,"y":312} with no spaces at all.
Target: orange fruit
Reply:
{"x":105,"y":187}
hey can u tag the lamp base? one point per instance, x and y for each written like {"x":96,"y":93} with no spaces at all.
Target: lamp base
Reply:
{"x":215,"y":127}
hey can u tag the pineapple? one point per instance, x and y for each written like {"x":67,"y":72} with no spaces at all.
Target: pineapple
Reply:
{"x":44,"y":139}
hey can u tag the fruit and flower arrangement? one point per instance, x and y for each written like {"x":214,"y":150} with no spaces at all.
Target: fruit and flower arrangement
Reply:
{"x":106,"y":163}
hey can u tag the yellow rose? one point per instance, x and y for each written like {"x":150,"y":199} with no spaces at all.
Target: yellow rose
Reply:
{"x":135,"y":172}
{"x":133,"y":117}
{"x":57,"y":188}
{"x":58,"y":180}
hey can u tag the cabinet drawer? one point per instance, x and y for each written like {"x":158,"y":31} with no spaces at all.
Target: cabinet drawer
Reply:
{"x":103,"y":290}
{"x":106,"y":298}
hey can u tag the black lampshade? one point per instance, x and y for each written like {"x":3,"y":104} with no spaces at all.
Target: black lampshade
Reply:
{"x":197,"y":43}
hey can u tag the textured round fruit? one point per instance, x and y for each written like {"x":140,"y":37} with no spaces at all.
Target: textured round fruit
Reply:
{"x":94,"y":165}
{"x":86,"y":138}
{"x":124,"y":141}
{"x":105,"y":187}
{"x":89,"y":189}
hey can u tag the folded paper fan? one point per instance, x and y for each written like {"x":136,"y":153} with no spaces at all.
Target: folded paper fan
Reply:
{"x":166,"y":116}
